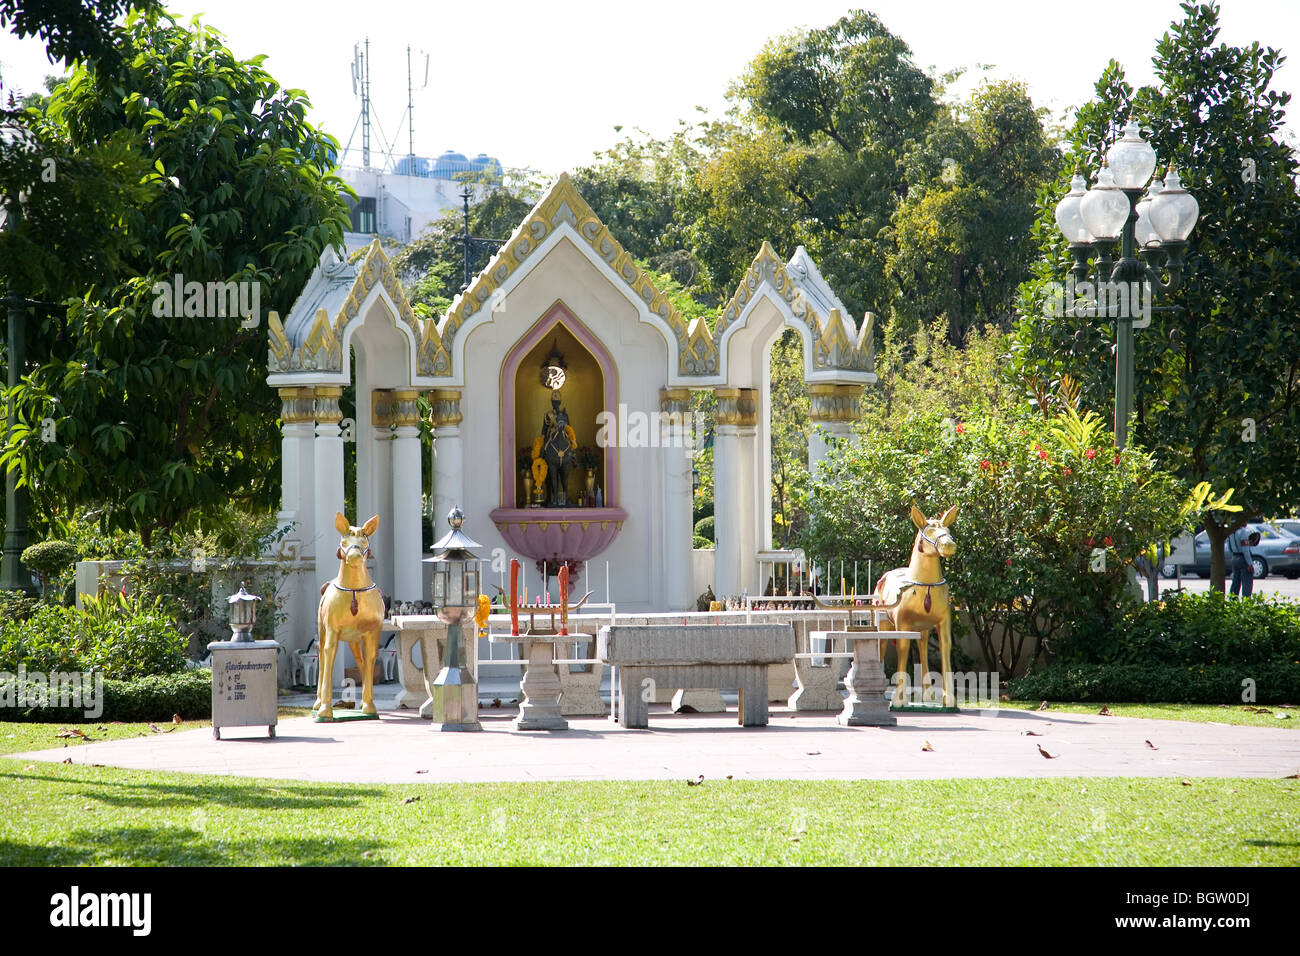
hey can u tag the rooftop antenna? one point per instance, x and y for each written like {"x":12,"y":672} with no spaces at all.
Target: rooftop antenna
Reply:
{"x":410,"y":104}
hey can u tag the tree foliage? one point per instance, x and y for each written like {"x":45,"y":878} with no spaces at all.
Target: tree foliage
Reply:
{"x":1217,"y":381}
{"x":158,"y":416}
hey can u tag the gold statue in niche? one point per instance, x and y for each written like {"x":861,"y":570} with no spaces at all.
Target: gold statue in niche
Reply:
{"x":555,"y":449}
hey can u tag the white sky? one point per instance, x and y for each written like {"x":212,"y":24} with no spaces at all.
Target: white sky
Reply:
{"x":542,"y":84}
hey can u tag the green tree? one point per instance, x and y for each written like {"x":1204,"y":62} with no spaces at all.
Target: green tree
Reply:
{"x":71,"y":30}
{"x":1217,"y":380}
{"x":160,"y":416}
{"x":961,"y":239}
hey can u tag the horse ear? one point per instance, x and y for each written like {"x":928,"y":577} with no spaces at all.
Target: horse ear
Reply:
{"x":949,"y":516}
{"x":918,"y":519}
{"x":341,"y":523}
{"x":369,"y":527}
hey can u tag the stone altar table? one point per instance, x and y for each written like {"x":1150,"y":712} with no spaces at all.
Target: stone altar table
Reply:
{"x":693,"y":656}
{"x":866,"y":704}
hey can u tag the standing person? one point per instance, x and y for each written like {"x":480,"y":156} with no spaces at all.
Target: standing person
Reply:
{"x":1242,"y":562}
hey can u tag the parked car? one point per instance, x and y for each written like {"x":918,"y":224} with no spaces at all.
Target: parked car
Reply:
{"x":1290,"y":526}
{"x":1278,"y":551}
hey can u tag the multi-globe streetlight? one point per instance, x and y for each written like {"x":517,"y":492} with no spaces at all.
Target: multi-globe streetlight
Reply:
{"x":1154,"y":226}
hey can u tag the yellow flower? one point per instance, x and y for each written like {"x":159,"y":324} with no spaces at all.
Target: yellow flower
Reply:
{"x":568,"y":433}
{"x":539,"y":470}
{"x":537,"y":447}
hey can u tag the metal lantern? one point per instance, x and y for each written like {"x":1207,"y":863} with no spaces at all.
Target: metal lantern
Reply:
{"x":455,"y":594}
{"x":243,"y":614}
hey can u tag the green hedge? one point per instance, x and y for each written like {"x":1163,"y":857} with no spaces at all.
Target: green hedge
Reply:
{"x":1159,"y":683}
{"x":1191,"y":648}
{"x":145,"y":698}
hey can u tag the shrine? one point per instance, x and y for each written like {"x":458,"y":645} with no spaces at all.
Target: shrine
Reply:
{"x":560,"y":337}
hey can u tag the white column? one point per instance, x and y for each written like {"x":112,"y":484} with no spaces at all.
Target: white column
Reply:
{"x":834,"y":409}
{"x":733,"y":491}
{"x":448,"y":457}
{"x":408,"y":517}
{"x":298,"y":415}
{"x":378,"y":490}
{"x":678,"y":534}
{"x":327,"y":451}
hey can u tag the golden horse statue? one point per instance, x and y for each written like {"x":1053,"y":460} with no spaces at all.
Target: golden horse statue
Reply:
{"x":919,"y":598}
{"x":352,"y":610}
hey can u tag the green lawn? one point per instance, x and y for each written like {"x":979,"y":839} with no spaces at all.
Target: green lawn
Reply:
{"x":1245,"y":715}
{"x":56,"y":814}
{"x":69,"y":815}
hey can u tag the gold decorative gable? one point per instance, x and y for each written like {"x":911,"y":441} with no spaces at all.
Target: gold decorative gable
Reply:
{"x":322,"y":350}
{"x":832,"y":348}
{"x":562,"y":204}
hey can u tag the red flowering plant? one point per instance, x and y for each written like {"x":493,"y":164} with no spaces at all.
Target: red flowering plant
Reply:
{"x":1023,"y":575}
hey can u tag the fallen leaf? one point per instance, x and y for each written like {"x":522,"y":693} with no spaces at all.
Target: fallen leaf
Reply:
{"x":410,"y":799}
{"x":1104,"y":712}
{"x":1281,"y":716}
{"x":32,"y":766}
{"x":87,"y":807}
{"x":926,"y":746}
{"x":346,"y":704}
{"x":154,"y":728}
{"x":695,"y":783}
{"x":421,"y":771}
{"x":1004,"y":697}
{"x":67,"y":760}
{"x":728,"y":776}
{"x":1290,"y":776}
{"x":1083,"y":789}
{"x":117,"y":723}
{"x":1046,"y":754}
{"x":1185,"y":783}
{"x":74,"y":732}
{"x":1030,"y":733}
{"x":1044,"y":705}
{"x":177,"y":719}
{"x":1151,"y":745}
{"x":813,"y":753}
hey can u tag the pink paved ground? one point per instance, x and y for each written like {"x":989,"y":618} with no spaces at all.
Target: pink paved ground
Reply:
{"x":401,"y":748}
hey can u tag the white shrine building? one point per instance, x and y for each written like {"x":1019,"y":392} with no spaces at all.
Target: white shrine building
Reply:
{"x":561,"y":285}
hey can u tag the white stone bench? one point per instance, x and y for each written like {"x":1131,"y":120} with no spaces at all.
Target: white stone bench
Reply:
{"x":723,"y":657}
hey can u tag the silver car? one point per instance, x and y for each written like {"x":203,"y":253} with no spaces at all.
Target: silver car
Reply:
{"x":1277,"y":551}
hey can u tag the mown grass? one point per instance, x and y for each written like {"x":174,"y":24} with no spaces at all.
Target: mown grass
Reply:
{"x":71,"y":815}
{"x":1243,"y":715}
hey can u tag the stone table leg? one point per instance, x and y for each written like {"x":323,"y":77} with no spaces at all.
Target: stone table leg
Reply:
{"x":415,"y":690}
{"x":753,"y":696}
{"x":540,"y":709}
{"x":633,"y":709}
{"x":866,"y":705}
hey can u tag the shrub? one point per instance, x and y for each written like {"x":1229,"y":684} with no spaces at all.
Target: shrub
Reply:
{"x":1196,"y":629}
{"x":1038,"y":494}
{"x":146,"y":698}
{"x":1191,"y":647}
{"x":1159,"y":683}
{"x":50,"y":559}
{"x":15,"y":606}
{"x":120,"y":636}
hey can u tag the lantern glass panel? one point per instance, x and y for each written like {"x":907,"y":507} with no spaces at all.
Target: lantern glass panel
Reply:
{"x":471,"y":582}
{"x":440,"y":584}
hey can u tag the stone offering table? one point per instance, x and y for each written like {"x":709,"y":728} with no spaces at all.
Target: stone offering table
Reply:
{"x":866,"y":705}
{"x":540,"y":708}
{"x":693,"y":656}
{"x":430,"y":633}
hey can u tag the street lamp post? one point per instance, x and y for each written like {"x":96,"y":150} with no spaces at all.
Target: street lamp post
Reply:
{"x":1155,"y":227}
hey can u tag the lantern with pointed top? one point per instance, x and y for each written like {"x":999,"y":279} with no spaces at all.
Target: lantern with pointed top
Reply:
{"x":455,"y":593}
{"x":243,"y":614}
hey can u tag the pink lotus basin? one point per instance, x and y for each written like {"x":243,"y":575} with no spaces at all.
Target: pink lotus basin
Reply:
{"x":556,"y":534}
